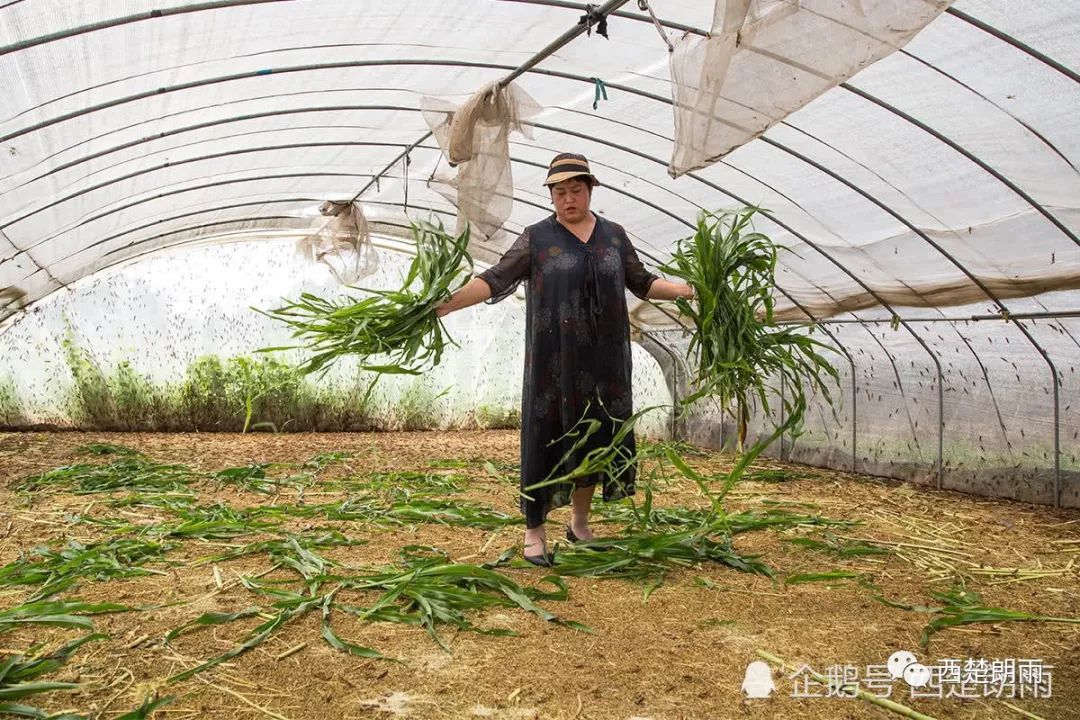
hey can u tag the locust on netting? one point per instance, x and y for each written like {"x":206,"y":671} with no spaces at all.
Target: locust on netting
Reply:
{"x":399,"y":327}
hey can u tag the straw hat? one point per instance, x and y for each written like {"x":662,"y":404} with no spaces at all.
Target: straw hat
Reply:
{"x":569,"y":165}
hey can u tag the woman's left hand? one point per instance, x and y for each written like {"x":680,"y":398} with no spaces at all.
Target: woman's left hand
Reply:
{"x":662,"y":289}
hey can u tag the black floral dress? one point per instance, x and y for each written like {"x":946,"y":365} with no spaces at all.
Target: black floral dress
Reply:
{"x":577,"y":352}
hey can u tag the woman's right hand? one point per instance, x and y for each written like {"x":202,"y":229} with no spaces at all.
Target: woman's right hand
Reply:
{"x":474,"y":291}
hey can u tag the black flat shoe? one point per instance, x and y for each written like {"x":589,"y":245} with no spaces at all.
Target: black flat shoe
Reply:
{"x":575,"y":539}
{"x":544,"y":560}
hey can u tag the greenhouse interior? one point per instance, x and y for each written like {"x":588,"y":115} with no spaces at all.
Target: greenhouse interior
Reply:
{"x":642,"y":359}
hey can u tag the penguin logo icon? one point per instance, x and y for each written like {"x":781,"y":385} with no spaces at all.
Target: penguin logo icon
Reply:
{"x":758,"y":682}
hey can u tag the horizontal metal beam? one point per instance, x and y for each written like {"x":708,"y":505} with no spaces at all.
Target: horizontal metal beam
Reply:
{"x":1004,"y":317}
{"x":125,"y":20}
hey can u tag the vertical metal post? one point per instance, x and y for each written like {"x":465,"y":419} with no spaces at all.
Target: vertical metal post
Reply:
{"x":1057,"y":442}
{"x":941,"y":428}
{"x":1057,"y":408}
{"x":854,"y":418}
{"x":940,"y":377}
{"x":783,"y":412}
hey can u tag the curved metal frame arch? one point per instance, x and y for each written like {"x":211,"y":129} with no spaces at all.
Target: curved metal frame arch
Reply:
{"x":974,"y":159}
{"x":572,"y":77}
{"x":125,"y":20}
{"x":114,"y":210}
{"x":1021,"y":46}
{"x":846,"y":353}
{"x":514,"y":72}
{"x":219,"y":4}
{"x":881,"y":103}
{"x":803,"y":238}
{"x":715,"y":187}
{"x":527,"y":66}
{"x":370,"y":183}
{"x":185,"y":161}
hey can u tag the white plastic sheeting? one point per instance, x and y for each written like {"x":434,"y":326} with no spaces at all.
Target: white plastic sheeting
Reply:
{"x":133,"y":136}
{"x":937,"y":184}
{"x":159,"y":317}
{"x":764,"y":59}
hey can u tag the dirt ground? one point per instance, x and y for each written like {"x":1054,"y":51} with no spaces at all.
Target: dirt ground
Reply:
{"x":682,"y":652}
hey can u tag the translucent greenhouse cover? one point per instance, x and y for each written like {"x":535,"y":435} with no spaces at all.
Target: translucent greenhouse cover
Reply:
{"x":924,"y":198}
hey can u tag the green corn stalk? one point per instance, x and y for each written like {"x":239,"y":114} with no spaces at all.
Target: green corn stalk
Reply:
{"x":829,"y":576}
{"x":56,"y":613}
{"x":647,"y":556}
{"x":962,"y":607}
{"x":321,"y":461}
{"x":399,"y":324}
{"x":740,"y":354}
{"x":425,"y":590}
{"x":399,"y":482}
{"x":839,"y":547}
{"x":100,"y":448}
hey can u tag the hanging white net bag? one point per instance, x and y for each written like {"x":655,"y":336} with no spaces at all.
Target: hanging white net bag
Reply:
{"x":343,"y":243}
{"x":475,"y":138}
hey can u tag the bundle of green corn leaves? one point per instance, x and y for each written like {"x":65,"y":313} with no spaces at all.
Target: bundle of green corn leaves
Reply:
{"x":740,"y":352}
{"x":397,"y":325}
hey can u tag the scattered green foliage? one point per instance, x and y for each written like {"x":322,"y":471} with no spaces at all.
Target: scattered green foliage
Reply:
{"x":57,"y":570}
{"x":323,"y":460}
{"x":647,"y":557}
{"x":494,"y":417}
{"x":12,"y":414}
{"x":829,"y":576}
{"x":770,"y":476}
{"x":423,"y":483}
{"x":101,"y":448}
{"x":19,"y":675}
{"x":254,"y":478}
{"x":234,"y":395}
{"x":417,"y":408}
{"x":130,"y":472}
{"x":426,"y":589}
{"x":55,"y":613}
{"x":964,"y":607}
{"x":451,"y":463}
{"x":839,"y":547}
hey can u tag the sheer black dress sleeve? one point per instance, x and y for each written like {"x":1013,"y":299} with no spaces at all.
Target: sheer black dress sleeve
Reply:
{"x":504,"y":276}
{"x":638,"y":279}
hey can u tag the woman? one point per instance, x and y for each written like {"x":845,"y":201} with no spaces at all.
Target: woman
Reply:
{"x":577,"y":344}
